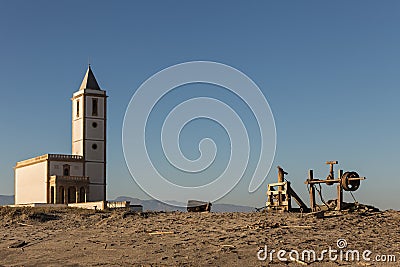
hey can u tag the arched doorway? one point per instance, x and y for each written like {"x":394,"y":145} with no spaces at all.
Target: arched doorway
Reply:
{"x":71,"y":194}
{"x":52,"y":194}
{"x":82,"y":194}
{"x":62,"y":192}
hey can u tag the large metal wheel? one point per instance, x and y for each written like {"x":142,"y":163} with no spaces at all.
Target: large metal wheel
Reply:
{"x":348,"y":184}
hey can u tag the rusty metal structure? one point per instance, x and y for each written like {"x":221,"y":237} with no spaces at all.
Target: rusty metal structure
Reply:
{"x":198,"y":206}
{"x":348,"y":181}
{"x":280,"y":199}
{"x":280,"y":194}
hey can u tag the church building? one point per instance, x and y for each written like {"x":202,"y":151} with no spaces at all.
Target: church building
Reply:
{"x":81,"y":176}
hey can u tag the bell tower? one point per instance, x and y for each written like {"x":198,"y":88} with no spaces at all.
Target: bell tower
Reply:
{"x":89,"y":117}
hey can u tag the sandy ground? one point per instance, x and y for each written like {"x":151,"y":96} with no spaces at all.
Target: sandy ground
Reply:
{"x":71,"y":237}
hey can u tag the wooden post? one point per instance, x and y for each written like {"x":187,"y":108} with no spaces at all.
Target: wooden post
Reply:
{"x":312,"y":190}
{"x":289,"y":198}
{"x":281,"y":179}
{"x":339,"y":204}
{"x":281,"y":175}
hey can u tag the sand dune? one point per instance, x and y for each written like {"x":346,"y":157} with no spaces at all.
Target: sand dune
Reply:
{"x":49,"y":237}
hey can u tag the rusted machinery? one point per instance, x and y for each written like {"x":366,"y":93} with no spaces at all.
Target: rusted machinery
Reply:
{"x":281,"y":198}
{"x":348,"y":181}
{"x":198,"y":206}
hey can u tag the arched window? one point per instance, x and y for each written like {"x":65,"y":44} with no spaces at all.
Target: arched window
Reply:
{"x":66,"y":169}
{"x":94,"y":106}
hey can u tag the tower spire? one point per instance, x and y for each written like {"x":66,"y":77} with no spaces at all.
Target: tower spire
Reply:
{"x":89,"y":81}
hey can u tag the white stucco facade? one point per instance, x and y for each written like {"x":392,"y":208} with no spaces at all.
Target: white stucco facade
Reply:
{"x":30,"y":183}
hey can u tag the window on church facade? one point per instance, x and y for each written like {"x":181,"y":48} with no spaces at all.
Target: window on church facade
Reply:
{"x":94,"y":106}
{"x":66,"y":169}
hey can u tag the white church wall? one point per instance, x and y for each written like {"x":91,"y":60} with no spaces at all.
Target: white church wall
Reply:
{"x":98,"y":205}
{"x":31,"y":183}
{"x":95,"y":171}
{"x":96,"y":192}
{"x":94,"y":129}
{"x":77,"y":130}
{"x":77,"y":148}
{"x":56,"y":168}
{"x":94,"y":150}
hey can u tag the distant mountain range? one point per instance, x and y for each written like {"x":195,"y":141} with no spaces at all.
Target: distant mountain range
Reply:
{"x":155,"y":205}
{"x":6,"y":200}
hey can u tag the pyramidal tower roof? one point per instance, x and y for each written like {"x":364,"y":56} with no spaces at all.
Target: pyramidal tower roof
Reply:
{"x":89,"y":81}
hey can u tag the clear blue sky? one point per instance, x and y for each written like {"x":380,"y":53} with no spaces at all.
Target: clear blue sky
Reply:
{"x":329,"y":69}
